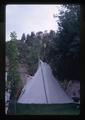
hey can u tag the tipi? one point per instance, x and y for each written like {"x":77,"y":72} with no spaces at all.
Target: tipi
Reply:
{"x":43,"y":88}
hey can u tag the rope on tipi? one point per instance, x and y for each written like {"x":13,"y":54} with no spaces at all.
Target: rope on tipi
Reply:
{"x":44,"y":83}
{"x":43,"y":74}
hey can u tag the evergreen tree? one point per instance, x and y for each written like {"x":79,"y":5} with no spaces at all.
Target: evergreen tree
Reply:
{"x":13,"y":75}
{"x":66,"y":47}
{"x":28,"y":40}
{"x":23,"y":38}
{"x":13,"y":35}
{"x":32,"y":35}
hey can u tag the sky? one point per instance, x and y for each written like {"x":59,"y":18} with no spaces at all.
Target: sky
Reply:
{"x":30,"y":18}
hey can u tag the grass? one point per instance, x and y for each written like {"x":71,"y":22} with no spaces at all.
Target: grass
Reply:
{"x":44,"y":109}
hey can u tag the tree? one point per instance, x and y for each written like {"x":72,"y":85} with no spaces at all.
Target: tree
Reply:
{"x":28,"y":40}
{"x":13,"y":35}
{"x":66,"y":47}
{"x":23,"y":38}
{"x":13,"y":75}
{"x":39,"y":35}
{"x":52,"y":34}
{"x":28,"y":37}
{"x":32,"y":35}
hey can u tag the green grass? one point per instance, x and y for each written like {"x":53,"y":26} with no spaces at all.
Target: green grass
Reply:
{"x":44,"y":109}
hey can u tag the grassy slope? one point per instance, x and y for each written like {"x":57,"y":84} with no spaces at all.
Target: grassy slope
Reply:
{"x":44,"y":109}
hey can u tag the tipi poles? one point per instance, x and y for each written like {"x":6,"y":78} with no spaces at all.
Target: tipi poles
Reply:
{"x":44,"y":84}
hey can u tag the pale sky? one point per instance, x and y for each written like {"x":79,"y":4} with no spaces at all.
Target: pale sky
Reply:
{"x":28,"y":18}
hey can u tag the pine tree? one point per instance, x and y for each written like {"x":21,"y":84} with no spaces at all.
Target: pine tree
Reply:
{"x":23,"y":38}
{"x":13,"y":75}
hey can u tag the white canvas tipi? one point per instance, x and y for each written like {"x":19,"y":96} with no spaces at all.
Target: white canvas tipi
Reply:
{"x":43,"y":88}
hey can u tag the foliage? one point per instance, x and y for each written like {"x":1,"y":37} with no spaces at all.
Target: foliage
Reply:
{"x":32,"y":59}
{"x":13,"y":35}
{"x":60,"y":49}
{"x":13,"y":76}
{"x":66,"y":46}
{"x":23,"y":38}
